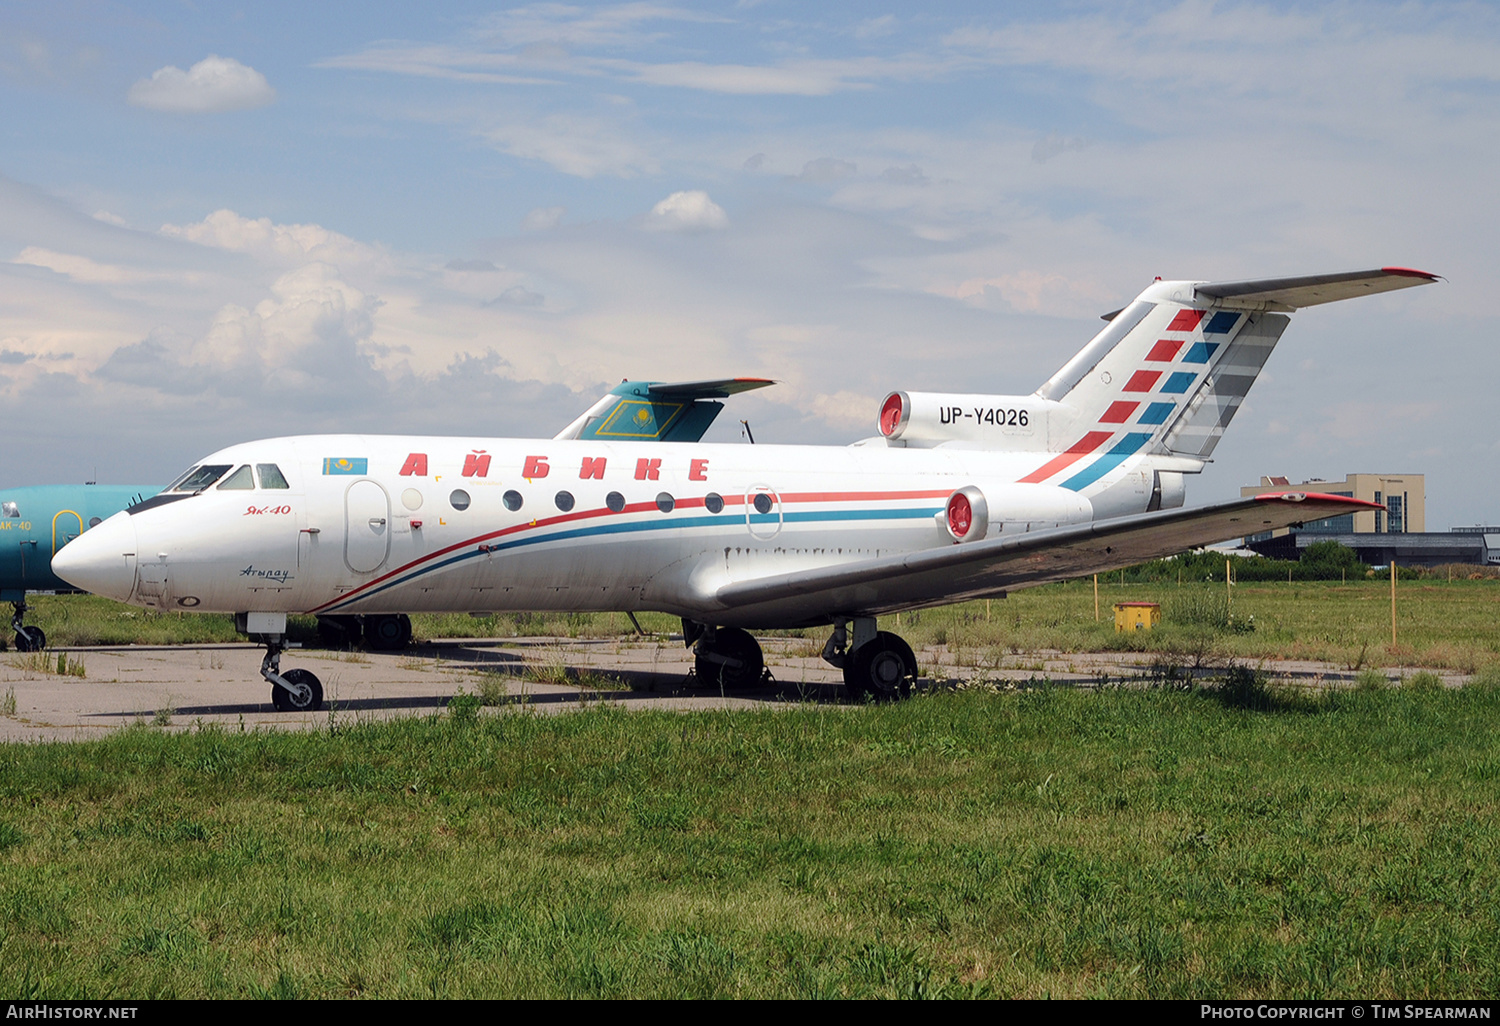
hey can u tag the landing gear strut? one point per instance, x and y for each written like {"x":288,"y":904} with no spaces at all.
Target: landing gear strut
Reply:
{"x":724,"y":657}
{"x":28,"y":639}
{"x":880,"y":664}
{"x":295,"y":690}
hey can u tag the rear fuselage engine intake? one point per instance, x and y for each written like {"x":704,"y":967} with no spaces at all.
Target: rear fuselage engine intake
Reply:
{"x":925,"y":419}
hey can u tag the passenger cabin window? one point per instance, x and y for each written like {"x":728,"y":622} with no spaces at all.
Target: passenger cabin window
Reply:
{"x":9,"y":509}
{"x":270,"y":476}
{"x":240,"y":480}
{"x":200,"y":478}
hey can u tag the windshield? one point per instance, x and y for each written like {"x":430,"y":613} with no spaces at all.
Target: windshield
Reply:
{"x":239,"y":480}
{"x":199,"y":478}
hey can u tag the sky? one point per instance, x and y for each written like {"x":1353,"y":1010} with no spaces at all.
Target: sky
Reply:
{"x":220,"y":223}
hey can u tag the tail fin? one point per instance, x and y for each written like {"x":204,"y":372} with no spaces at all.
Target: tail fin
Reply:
{"x":1173,"y":367}
{"x":658,"y":411}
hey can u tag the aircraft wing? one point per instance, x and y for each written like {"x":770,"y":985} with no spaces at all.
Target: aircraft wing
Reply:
{"x":1287,"y":294}
{"x":959,"y":572}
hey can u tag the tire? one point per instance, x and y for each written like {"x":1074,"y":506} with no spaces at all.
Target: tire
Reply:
{"x":885,"y":669}
{"x":388,"y":633}
{"x":744,"y":666}
{"x":30,"y":639}
{"x":339,"y":631}
{"x":285,"y":701}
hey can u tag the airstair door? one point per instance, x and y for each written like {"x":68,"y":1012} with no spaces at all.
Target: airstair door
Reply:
{"x":367,"y":531}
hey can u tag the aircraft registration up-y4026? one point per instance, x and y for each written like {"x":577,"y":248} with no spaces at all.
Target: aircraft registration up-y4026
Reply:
{"x":957,"y":497}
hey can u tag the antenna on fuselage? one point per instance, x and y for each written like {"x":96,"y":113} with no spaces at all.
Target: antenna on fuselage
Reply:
{"x":748,"y":432}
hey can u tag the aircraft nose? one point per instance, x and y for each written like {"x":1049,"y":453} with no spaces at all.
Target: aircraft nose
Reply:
{"x":101,"y":561}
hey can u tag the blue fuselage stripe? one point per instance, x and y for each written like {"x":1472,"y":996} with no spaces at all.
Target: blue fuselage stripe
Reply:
{"x":634,"y":526}
{"x":1121,"y":451}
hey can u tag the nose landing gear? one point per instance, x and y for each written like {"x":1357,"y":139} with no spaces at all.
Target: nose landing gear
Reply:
{"x":294,"y":691}
{"x":28,"y":639}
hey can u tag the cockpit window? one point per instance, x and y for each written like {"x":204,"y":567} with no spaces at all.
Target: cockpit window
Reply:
{"x":270,"y":476}
{"x":200,"y":478}
{"x":9,"y":509}
{"x":240,"y":480}
{"x":180,"y":478}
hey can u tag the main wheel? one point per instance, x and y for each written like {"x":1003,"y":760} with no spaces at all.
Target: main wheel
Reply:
{"x":30,"y":639}
{"x":387,"y":633}
{"x":338,"y":631}
{"x":884,"y":669}
{"x":733,"y":661}
{"x":310,"y":701}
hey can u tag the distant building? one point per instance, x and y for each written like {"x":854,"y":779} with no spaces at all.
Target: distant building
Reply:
{"x":1404,"y":497}
{"x":1379,"y":536}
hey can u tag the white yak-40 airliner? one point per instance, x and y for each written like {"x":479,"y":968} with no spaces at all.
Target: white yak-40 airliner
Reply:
{"x":958,"y":497}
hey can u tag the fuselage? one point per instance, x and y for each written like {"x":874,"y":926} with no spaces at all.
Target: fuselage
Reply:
{"x":370,"y":524}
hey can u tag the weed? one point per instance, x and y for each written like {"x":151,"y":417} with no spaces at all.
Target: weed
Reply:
{"x":464,"y":706}
{"x":1245,"y":688}
{"x":494,"y":688}
{"x":1423,"y":680}
{"x":164,"y":713}
{"x":1371,"y":680}
{"x":8,"y":703}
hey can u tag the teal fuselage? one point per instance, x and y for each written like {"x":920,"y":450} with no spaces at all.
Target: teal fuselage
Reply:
{"x":37,"y":521}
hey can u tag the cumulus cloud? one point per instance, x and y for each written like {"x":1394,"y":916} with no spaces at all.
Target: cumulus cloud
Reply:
{"x":543,"y":218}
{"x":471,"y":266}
{"x":259,"y":237}
{"x":213,"y":85}
{"x":1054,"y":144}
{"x":908,"y":175}
{"x":826,"y":169}
{"x":687,"y":211}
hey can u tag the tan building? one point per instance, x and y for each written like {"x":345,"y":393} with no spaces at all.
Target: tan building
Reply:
{"x":1404,"y":497}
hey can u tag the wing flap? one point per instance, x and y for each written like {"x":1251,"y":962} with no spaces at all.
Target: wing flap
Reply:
{"x":1310,"y":290}
{"x":959,"y":572}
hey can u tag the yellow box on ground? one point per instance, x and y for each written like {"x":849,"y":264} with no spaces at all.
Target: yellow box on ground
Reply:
{"x":1136,"y":616}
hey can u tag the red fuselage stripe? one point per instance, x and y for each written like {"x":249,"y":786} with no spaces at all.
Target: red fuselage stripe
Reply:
{"x":1077,"y":451}
{"x":633,"y":507}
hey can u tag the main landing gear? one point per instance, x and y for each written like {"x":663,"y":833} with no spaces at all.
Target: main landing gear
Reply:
{"x":724,"y":657}
{"x":28,"y":639}
{"x":384,"y":633}
{"x":879,"y":664}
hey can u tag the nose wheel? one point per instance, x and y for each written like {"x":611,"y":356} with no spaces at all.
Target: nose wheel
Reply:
{"x":28,"y":639}
{"x":294,"y":691}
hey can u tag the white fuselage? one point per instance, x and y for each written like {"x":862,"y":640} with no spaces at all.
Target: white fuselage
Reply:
{"x":372,"y":524}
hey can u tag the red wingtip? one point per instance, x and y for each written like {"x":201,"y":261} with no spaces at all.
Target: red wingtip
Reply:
{"x":1407,"y":272}
{"x":1341,"y":500}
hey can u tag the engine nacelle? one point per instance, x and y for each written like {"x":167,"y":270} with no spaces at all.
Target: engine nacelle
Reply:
{"x":966,"y":515}
{"x":931,"y":418}
{"x":978,"y":511}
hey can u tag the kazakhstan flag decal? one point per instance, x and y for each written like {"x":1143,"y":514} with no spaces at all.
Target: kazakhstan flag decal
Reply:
{"x":345,"y":465}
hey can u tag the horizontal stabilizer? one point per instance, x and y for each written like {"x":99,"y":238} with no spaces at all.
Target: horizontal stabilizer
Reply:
{"x":721,"y":389}
{"x":658,"y":411}
{"x":1288,"y":294}
{"x":959,"y":572}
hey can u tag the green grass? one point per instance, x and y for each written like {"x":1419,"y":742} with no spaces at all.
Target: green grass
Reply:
{"x":1125,"y":843}
{"x":1441,"y":624}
